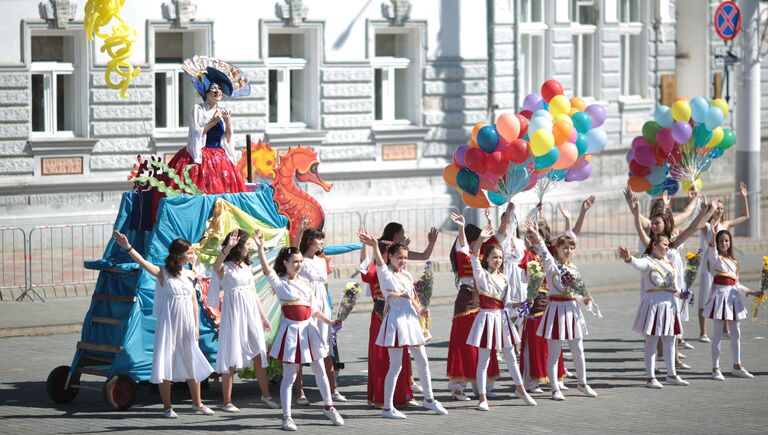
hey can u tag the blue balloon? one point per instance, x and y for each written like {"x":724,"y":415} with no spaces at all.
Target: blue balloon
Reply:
{"x":716,"y":153}
{"x":699,"y":107}
{"x":657,"y":175}
{"x":701,"y":135}
{"x":547,"y":160}
{"x":582,"y":144}
{"x":671,"y":186}
{"x":468,"y":181}
{"x":496,"y":198}
{"x":538,"y":123}
{"x":582,"y":121}
{"x":597,"y":140}
{"x":488,"y":138}
{"x":542,"y":112}
{"x":663,"y":116}
{"x":655,"y":190}
{"x":714,"y":118}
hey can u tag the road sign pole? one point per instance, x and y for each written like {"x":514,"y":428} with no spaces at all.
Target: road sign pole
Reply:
{"x":748,"y":119}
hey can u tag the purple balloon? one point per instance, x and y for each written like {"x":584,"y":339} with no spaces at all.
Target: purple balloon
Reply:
{"x":665,"y":140}
{"x":597,"y":112}
{"x":681,"y":132}
{"x":460,"y":153}
{"x":640,"y":142}
{"x":579,"y":174}
{"x":533,"y":102}
{"x":630,"y":156}
{"x":645,"y":156}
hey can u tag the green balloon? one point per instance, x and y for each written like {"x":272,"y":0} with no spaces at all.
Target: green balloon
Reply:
{"x":650,"y":129}
{"x":701,"y":135}
{"x":728,"y":139}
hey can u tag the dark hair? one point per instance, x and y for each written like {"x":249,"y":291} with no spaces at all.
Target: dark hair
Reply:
{"x":655,"y":239}
{"x":176,"y":249}
{"x":722,"y":216}
{"x":282,"y":256}
{"x":669,"y":224}
{"x":471,"y":232}
{"x":490,"y":248}
{"x":393,"y":249}
{"x":729,"y":252}
{"x":565,"y":240}
{"x":239,"y":253}
{"x":390,"y":230}
{"x":657,"y":207}
{"x":309,"y":236}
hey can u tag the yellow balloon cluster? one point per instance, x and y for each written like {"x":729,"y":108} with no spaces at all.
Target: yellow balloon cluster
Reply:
{"x":99,"y":13}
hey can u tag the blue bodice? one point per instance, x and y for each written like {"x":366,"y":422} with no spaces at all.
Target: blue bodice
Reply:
{"x":213,"y":137}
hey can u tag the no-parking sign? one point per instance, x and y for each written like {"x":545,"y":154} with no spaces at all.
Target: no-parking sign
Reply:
{"x":727,"y":20}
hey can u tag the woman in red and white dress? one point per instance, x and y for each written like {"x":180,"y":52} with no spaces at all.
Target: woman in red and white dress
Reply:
{"x":298,"y":341}
{"x":400,"y":327}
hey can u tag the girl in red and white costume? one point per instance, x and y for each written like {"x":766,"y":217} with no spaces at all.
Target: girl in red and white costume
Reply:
{"x":400,"y":326}
{"x":298,"y":341}
{"x":562,"y":319}
{"x":724,"y":303}
{"x":492,"y":328}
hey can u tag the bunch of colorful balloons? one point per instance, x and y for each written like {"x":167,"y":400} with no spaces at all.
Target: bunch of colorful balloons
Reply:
{"x":678,"y":145}
{"x":553,"y":139}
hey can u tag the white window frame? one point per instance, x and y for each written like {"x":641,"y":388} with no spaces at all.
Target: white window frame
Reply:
{"x":579,"y":31}
{"x":628,"y":30}
{"x":50,"y":70}
{"x":284,"y":66}
{"x":527,"y":8}
{"x":172,"y":86}
{"x":533,"y":30}
{"x":388,"y":67}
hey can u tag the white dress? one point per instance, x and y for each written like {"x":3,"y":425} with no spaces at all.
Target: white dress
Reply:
{"x":514,"y":249}
{"x":400,"y":326}
{"x":176,"y":356}
{"x":562,"y":319}
{"x":492,"y":328}
{"x":298,"y":340}
{"x":705,"y":273}
{"x":315,"y":271}
{"x":674,"y":256}
{"x":724,"y":302}
{"x":658,"y":313}
{"x":241,"y":334}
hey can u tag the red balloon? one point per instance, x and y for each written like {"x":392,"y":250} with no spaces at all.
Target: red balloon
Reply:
{"x":518,"y":151}
{"x":476,"y":160}
{"x":638,"y":169}
{"x":550,"y":88}
{"x":497,"y":163}
{"x":523,"y":123}
{"x":527,"y":114}
{"x":661,"y":156}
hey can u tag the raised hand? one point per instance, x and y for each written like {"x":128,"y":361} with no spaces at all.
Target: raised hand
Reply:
{"x":304,"y":222}
{"x":258,"y":239}
{"x":458,"y":220}
{"x":665,"y":199}
{"x":634,"y":205}
{"x":624,"y":253}
{"x":588,"y":203}
{"x":431,"y":236}
{"x":366,"y":238}
{"x":231,"y":243}
{"x":564,"y":211}
{"x":627,"y":194}
{"x":486,"y":233}
{"x":743,"y":189}
{"x":120,"y":239}
{"x":693,"y":193}
{"x":533,"y":236}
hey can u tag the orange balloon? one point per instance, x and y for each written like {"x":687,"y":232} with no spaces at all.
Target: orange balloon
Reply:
{"x":638,"y":184}
{"x":573,"y":110}
{"x":568,"y":155}
{"x":476,"y":128}
{"x":578,"y":104}
{"x":449,"y":175}
{"x":476,"y":201}
{"x":681,"y":99}
{"x":588,"y":157}
{"x":562,"y":131}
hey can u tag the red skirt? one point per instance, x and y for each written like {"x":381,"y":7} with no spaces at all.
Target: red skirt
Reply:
{"x":378,"y":364}
{"x":462,"y":358}
{"x":214,"y":174}
{"x":537,"y":353}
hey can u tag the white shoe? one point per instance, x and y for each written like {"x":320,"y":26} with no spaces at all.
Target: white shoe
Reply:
{"x":270,"y":403}
{"x":687,"y":345}
{"x":492,"y":395}
{"x":203,"y":410}
{"x":586,"y":390}
{"x":717,"y":376}
{"x":742,"y":373}
{"x":435,"y":406}
{"x":337,"y":397}
{"x":526,"y":398}
{"x":416,"y":388}
{"x":676,"y":381}
{"x":170,"y":413}
{"x":562,"y":386}
{"x":704,"y":339}
{"x":654,"y":384}
{"x":288,"y":424}
{"x":229,"y":407}
{"x":461,"y":397}
{"x":483,"y":406}
{"x":333,"y":415}
{"x":568,"y":374}
{"x":535,"y":390}
{"x":726,"y":335}
{"x":393,"y":414}
{"x":684,"y":366}
{"x":302,"y":401}
{"x":681,"y":355}
{"x":413,"y":402}
{"x":558,"y":395}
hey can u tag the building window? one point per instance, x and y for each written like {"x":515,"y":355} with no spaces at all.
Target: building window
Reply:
{"x":584,"y":28}
{"x":633,"y":61}
{"x":396,"y":78}
{"x":287,"y":80}
{"x":532,"y":11}
{"x":174,"y":95}
{"x":54,"y":80}
{"x":533,"y":30}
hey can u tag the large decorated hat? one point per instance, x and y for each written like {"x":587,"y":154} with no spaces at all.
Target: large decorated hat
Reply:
{"x":204,"y":71}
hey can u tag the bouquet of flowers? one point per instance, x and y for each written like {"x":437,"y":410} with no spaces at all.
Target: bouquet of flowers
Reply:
{"x":535,"y":278}
{"x":761,"y":300}
{"x":571,"y":280}
{"x":424,"y":292}
{"x":692,"y":263}
{"x":274,"y":371}
{"x":348,"y":301}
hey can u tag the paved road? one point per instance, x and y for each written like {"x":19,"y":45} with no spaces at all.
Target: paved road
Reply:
{"x":614,"y":367}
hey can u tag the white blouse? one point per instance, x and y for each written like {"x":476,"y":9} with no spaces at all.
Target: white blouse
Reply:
{"x":657,"y":274}
{"x":200,"y":116}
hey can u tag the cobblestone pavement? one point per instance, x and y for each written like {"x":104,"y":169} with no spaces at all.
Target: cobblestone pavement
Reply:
{"x":614,"y":367}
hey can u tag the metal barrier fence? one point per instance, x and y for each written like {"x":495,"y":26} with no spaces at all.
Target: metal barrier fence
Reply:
{"x":341,"y":228}
{"x":13,"y":259}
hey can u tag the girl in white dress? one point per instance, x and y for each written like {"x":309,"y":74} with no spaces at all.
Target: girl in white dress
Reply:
{"x":724,"y":303}
{"x":243,"y":321}
{"x":492,"y":329}
{"x":400,"y":327}
{"x":562,"y":319}
{"x":176,"y":356}
{"x":298,"y":340}
{"x":714,"y":224}
{"x":659,"y":312}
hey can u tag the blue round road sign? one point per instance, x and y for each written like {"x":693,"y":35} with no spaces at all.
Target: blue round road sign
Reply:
{"x":727,"y":20}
